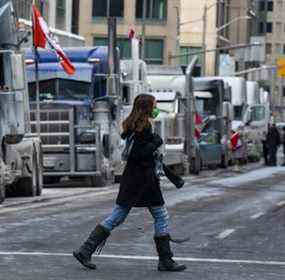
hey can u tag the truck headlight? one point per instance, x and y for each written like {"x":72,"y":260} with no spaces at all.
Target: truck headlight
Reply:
{"x":174,"y":140}
{"x":87,"y":137}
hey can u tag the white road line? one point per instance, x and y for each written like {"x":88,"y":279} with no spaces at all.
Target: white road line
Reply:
{"x":281,"y":203}
{"x":225,"y":233}
{"x":257,"y":215}
{"x":130,"y":257}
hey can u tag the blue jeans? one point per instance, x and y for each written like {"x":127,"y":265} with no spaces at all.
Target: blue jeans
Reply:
{"x":120,"y":213}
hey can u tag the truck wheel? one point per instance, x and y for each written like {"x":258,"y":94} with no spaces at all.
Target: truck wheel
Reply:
{"x":28,"y":186}
{"x":2,"y":193}
{"x":195,"y":165}
{"x":96,"y":181}
{"x":224,"y":162}
{"x":39,"y":172}
{"x":49,"y":180}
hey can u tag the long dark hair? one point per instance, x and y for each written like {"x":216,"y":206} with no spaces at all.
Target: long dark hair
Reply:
{"x":139,"y":116}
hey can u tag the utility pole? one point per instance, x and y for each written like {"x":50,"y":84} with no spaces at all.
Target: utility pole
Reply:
{"x":37,"y":57}
{"x":108,"y":8}
{"x":178,"y":32}
{"x":204,"y":32}
{"x":143,"y":30}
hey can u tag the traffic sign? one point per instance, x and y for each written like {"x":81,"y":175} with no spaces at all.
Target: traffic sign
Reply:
{"x":281,"y":67}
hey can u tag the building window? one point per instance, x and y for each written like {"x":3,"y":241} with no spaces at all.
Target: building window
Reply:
{"x":123,"y":44}
{"x":278,"y":49}
{"x":269,"y":27}
{"x":261,"y":6}
{"x":261,"y":27}
{"x":99,"y":8}
{"x":268,"y":48}
{"x":279,"y":4}
{"x":155,"y":9}
{"x":278,"y":28}
{"x":185,"y":60}
{"x":154,"y":51}
{"x":270,"y":6}
{"x":60,"y":14}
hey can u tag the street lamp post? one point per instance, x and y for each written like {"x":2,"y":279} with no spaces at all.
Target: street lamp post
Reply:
{"x":143,"y":30}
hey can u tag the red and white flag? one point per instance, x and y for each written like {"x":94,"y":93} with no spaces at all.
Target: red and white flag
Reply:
{"x":235,"y":140}
{"x":43,"y":38}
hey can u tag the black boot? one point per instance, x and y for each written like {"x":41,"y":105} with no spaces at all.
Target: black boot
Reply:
{"x":166,"y":263}
{"x":95,"y":241}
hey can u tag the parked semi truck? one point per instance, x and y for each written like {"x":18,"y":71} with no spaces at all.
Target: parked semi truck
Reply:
{"x":213,"y":106}
{"x":79,"y":114}
{"x":256,"y":119}
{"x":20,"y":153}
{"x":169,"y":86}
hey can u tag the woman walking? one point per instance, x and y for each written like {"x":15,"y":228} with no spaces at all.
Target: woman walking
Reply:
{"x":139,"y":188}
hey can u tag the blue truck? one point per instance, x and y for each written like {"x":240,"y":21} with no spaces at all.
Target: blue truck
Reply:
{"x":78,"y":117}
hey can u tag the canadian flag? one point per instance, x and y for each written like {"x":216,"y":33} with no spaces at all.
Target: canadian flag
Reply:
{"x":43,"y":38}
{"x":235,"y":140}
{"x":198,"y":122}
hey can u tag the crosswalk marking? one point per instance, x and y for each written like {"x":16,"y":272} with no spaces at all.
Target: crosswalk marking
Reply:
{"x":133,"y":257}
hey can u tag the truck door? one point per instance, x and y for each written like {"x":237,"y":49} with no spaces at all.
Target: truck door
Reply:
{"x":210,"y":144}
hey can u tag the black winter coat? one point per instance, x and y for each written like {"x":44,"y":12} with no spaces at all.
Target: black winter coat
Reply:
{"x":139,"y":186}
{"x":273,"y":137}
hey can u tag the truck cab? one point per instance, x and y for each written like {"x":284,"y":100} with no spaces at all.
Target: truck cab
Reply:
{"x":256,"y":119}
{"x":78,"y":119}
{"x":213,"y":141}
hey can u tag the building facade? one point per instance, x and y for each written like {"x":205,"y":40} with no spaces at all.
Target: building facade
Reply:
{"x":161,"y":23}
{"x":271,"y":25}
{"x":198,"y":19}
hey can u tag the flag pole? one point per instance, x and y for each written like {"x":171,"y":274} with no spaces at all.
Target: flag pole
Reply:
{"x":38,"y":125}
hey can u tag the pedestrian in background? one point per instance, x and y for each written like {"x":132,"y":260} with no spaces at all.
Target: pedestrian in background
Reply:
{"x":265,"y":147}
{"x":139,"y":187}
{"x":273,"y":140}
{"x":283,"y":144}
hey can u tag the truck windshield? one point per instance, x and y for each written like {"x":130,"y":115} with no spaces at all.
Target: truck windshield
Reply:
{"x":167,"y":107}
{"x":61,"y":89}
{"x":257,"y":113}
{"x":238,"y":113}
{"x":206,"y":106}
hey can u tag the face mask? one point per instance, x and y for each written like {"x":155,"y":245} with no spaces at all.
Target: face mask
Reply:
{"x":155,"y":112}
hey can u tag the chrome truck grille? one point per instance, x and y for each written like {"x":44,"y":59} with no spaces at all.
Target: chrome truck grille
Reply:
{"x":65,"y":153}
{"x":54,"y":126}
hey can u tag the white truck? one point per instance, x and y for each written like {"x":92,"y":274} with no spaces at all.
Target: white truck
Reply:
{"x":168,"y":85}
{"x":20,"y":154}
{"x":256,"y":119}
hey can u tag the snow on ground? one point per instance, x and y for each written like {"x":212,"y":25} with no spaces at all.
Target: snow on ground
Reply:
{"x":252,"y":176}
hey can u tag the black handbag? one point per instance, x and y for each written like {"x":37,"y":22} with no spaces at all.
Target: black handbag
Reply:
{"x":129,"y":142}
{"x":158,"y":165}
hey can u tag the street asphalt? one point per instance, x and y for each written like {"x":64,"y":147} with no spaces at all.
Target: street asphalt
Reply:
{"x":235,"y":220}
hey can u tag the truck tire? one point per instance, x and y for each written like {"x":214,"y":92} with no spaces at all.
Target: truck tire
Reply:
{"x":39,"y":172}
{"x":27,"y":186}
{"x":2,"y":193}
{"x":195,"y":165}
{"x":224,"y":162}
{"x":96,"y":181}
{"x":49,"y":180}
